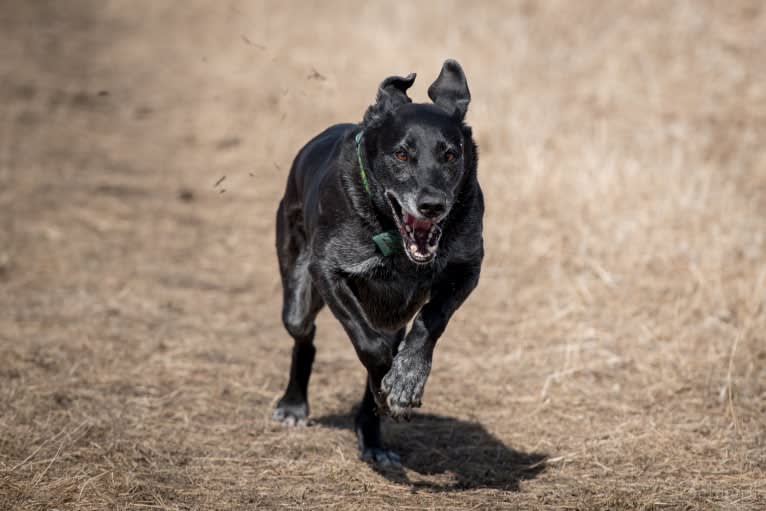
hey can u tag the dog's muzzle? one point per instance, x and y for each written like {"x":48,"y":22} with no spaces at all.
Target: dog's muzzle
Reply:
{"x":419,"y":236}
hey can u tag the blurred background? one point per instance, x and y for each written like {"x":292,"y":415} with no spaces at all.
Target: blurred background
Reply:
{"x":617,"y":332}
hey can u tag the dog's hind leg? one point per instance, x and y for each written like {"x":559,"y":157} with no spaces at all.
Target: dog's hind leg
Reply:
{"x":301,"y":303}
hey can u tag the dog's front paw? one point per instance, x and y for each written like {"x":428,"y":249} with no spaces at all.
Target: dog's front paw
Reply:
{"x":403,"y":385}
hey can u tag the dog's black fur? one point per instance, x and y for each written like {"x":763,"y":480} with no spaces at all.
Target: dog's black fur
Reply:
{"x":420,"y":164}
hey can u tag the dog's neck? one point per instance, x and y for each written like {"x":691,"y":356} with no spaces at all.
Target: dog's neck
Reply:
{"x":388,"y":242}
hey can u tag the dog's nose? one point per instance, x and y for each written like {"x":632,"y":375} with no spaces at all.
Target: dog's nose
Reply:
{"x":431,"y":205}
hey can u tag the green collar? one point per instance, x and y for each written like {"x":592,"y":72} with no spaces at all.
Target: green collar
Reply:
{"x":388,"y":242}
{"x":362,"y":173}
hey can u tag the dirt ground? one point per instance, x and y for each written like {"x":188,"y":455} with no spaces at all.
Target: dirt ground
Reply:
{"x":613,"y":356}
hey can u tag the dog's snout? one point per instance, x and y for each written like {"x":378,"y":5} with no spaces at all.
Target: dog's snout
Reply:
{"x":431,"y":204}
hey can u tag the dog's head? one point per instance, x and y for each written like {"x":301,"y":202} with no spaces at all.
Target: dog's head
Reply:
{"x":417,"y":155}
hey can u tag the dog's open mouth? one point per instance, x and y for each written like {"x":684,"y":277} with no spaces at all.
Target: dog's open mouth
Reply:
{"x":420,"y":237}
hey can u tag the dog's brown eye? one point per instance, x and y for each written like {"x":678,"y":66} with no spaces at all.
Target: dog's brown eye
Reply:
{"x":450,"y":156}
{"x":401,"y":155}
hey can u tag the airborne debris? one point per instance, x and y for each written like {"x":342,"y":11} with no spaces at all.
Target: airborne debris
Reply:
{"x":185,"y":195}
{"x":251,"y":43}
{"x":221,"y":180}
{"x":316,"y":75}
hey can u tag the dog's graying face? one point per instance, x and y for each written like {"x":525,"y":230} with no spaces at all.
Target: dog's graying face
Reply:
{"x":418,"y":157}
{"x":419,"y":165}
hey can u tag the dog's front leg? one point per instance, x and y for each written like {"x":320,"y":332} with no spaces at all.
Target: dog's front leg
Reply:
{"x":404,"y":383}
{"x":375,"y":349}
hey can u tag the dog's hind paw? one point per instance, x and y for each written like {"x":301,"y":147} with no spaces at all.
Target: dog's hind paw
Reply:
{"x":382,"y":458}
{"x":291,"y":414}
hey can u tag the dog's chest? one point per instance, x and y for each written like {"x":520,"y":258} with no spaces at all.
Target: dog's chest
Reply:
{"x":391,"y":300}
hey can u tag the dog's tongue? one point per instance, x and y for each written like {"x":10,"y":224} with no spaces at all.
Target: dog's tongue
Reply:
{"x":417,"y":224}
{"x":420,"y":230}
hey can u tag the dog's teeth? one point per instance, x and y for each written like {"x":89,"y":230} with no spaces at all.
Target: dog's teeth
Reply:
{"x":414,"y":248}
{"x":408,"y":228}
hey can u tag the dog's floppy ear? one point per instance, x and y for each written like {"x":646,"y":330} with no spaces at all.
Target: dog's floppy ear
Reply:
{"x":392,"y":93}
{"x":450,"y":90}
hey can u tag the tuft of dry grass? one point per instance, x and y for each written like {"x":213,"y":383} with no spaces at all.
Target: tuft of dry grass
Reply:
{"x":613,"y":356}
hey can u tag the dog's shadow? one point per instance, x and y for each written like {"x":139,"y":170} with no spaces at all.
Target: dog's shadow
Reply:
{"x":434,"y":445}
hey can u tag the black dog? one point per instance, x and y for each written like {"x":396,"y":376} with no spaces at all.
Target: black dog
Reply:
{"x":382,"y":221}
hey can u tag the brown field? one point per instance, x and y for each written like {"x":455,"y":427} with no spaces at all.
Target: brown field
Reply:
{"x":613,"y":356}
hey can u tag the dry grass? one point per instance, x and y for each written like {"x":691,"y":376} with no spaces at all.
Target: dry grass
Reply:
{"x":613,"y":357}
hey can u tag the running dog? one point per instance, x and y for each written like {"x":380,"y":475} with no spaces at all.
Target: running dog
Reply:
{"x":382,"y":222}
